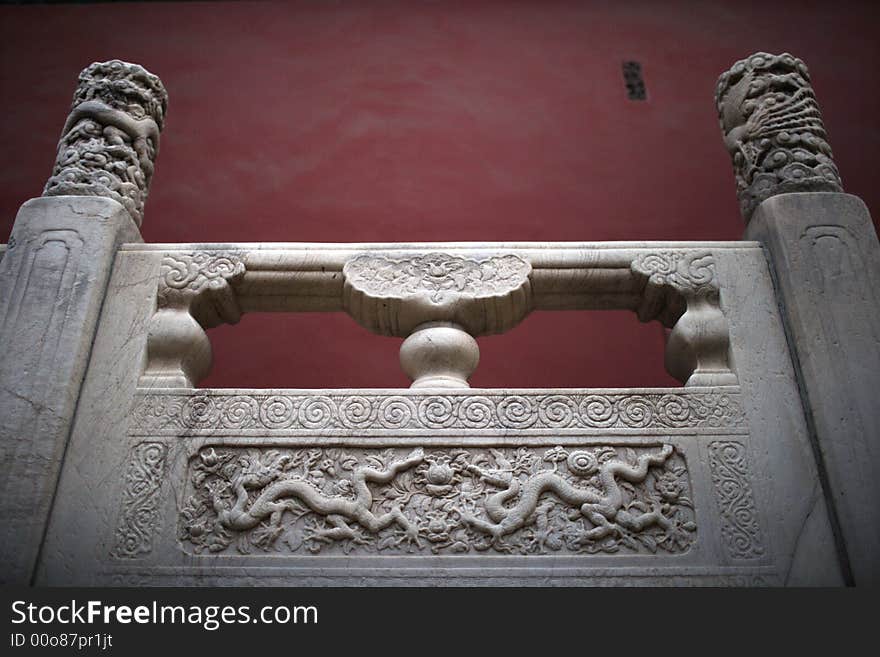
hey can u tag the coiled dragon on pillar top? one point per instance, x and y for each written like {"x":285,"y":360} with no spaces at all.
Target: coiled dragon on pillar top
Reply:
{"x":111,"y":138}
{"x":773,"y":130}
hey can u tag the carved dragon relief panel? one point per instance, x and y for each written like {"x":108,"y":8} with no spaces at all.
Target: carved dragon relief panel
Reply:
{"x":437,"y":293}
{"x":516,"y":500}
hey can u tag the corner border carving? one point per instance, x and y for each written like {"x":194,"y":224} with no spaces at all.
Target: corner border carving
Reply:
{"x":740,"y":528}
{"x":140,"y":516}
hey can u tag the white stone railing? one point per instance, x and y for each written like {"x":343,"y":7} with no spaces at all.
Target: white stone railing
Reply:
{"x":760,"y":469}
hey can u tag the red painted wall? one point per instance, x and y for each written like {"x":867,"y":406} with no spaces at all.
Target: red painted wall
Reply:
{"x":435,"y":121}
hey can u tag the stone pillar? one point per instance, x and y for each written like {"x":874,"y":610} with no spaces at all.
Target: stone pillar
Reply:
{"x":826,"y":258}
{"x":53,"y":277}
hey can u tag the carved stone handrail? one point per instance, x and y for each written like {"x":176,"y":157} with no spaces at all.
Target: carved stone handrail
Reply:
{"x":194,"y":293}
{"x":439,"y":297}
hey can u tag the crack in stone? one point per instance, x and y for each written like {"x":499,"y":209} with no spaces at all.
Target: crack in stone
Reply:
{"x":797,"y":541}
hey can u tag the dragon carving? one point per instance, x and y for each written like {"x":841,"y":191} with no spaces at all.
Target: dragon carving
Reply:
{"x":773,"y":130}
{"x":601,"y":509}
{"x":523,"y":501}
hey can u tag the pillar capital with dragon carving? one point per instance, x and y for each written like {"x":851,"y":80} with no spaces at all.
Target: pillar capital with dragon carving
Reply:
{"x":110,"y":140}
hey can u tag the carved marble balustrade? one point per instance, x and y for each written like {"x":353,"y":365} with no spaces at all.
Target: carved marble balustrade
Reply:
{"x":119,"y":469}
{"x":440,"y":480}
